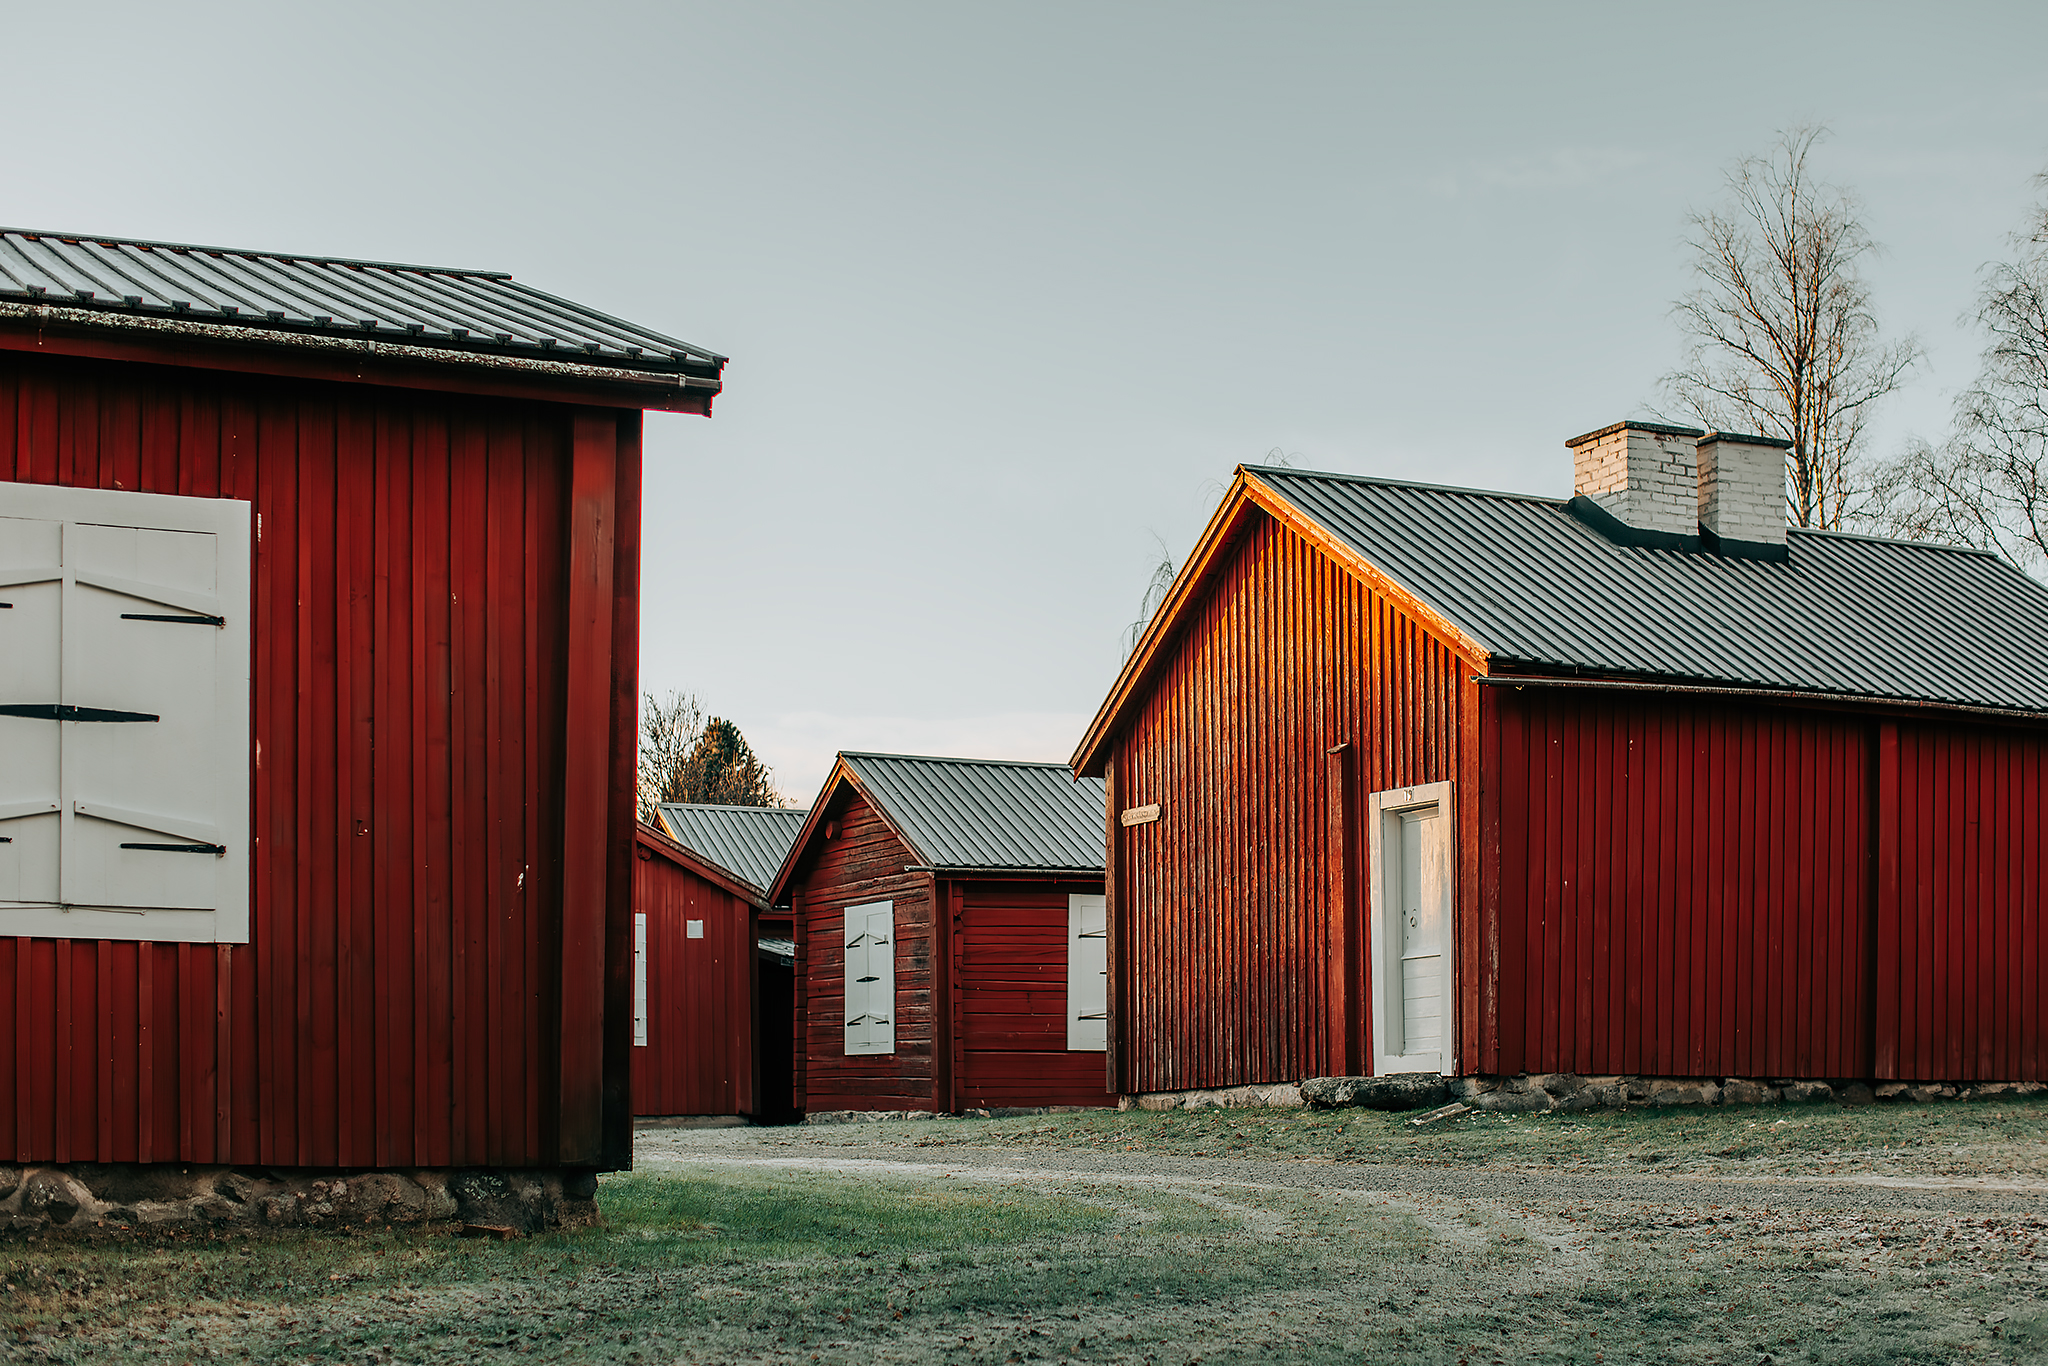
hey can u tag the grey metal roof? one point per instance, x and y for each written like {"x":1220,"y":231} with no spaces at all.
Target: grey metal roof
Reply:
{"x":988,"y":813}
{"x":1534,"y":586}
{"x":427,"y":306}
{"x":749,"y":842}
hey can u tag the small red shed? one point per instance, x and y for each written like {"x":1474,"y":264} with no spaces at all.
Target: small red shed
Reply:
{"x":949,"y":941}
{"x":1410,"y":778}
{"x":318,"y":686}
{"x":713,"y":993}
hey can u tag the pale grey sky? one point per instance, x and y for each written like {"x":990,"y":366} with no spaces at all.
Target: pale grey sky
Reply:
{"x":1010,"y":289}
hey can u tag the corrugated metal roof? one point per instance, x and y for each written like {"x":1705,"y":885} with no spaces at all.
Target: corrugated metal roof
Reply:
{"x":1537,"y":587}
{"x":988,"y":813}
{"x":428,"y":306}
{"x":749,"y":842}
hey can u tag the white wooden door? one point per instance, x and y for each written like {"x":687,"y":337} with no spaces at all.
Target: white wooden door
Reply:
{"x":1087,"y":973}
{"x":124,"y":738}
{"x":1413,"y":979}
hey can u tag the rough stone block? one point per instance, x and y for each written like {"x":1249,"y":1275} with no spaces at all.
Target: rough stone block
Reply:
{"x":1931,"y":1092}
{"x":1856,"y":1093}
{"x":1892,"y":1090}
{"x":1741,"y":1091}
{"x":10,"y":1181}
{"x":54,"y":1196}
{"x":1413,"y":1091}
{"x":1682,"y":1091}
{"x":1806,"y":1092}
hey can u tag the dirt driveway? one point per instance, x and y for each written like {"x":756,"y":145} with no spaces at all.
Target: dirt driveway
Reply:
{"x":1729,"y":1236}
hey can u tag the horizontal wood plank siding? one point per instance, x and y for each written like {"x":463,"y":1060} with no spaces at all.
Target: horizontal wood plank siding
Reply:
{"x":862,"y":862}
{"x":1011,"y":999}
{"x":1222,"y":917}
{"x":397,"y":1003}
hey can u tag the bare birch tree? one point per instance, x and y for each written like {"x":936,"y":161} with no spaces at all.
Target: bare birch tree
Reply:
{"x":1987,"y":485}
{"x":1781,"y":337}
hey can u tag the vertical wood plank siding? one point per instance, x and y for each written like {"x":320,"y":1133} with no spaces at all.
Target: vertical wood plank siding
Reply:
{"x":700,"y":1012}
{"x":863,"y":862}
{"x":1010,"y":993}
{"x":1962,"y":950}
{"x":1684,"y":888}
{"x":399,"y":1001}
{"x":1223,"y":905}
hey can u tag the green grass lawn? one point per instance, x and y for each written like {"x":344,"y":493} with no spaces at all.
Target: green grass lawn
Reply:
{"x":1996,"y":1140}
{"x":729,"y":1262}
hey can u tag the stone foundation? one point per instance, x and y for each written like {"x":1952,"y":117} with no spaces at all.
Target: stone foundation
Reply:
{"x":865,"y":1116}
{"x":102,"y":1198}
{"x":1225,"y":1098}
{"x":1566,"y":1091}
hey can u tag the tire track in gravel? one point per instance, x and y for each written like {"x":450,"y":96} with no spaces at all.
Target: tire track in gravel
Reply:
{"x":659,"y":1151}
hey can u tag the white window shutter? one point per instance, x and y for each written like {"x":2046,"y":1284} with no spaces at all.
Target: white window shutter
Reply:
{"x":639,"y":980}
{"x":124,"y":715}
{"x":871,"y":978}
{"x":1087,"y":974}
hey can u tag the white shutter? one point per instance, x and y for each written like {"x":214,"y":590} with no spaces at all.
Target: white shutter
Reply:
{"x":871,"y":978}
{"x":639,"y":980}
{"x":124,"y":715}
{"x":1087,"y":974}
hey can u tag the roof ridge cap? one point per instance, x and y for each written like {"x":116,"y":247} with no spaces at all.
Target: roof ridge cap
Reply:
{"x":98,"y":238}
{"x":1904,"y":541}
{"x":952,"y":759}
{"x":1385,"y":482}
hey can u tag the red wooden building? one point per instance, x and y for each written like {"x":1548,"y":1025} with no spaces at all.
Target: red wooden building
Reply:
{"x":318,"y":685}
{"x":949,"y":949}
{"x":713,"y":988}
{"x":1410,"y":778}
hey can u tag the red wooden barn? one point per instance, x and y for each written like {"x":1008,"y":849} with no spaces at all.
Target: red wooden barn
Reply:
{"x":1410,"y":778}
{"x":949,"y":949}
{"x":318,"y":684}
{"x":713,"y":991}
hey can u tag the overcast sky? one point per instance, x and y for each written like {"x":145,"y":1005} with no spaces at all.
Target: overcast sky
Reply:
{"x":1010,"y":290}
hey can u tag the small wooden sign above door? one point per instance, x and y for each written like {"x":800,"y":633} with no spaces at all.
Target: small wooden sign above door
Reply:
{"x":1140,"y":815}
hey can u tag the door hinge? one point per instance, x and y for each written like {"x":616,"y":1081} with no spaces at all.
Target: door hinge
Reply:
{"x":217,"y":850}
{"x":44,"y":711}
{"x":179,"y":620}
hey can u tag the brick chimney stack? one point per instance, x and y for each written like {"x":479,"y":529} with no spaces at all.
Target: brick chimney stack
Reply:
{"x":1643,"y":474}
{"x":1742,"y":489}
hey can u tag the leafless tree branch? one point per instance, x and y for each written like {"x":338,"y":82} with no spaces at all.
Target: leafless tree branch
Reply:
{"x":1987,"y":485}
{"x":1781,"y":338}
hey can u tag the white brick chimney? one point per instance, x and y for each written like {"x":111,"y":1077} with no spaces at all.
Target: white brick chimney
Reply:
{"x":1643,"y":474}
{"x":1742,"y":488}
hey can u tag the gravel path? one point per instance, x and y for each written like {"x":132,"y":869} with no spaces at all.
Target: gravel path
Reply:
{"x":669,"y":1149}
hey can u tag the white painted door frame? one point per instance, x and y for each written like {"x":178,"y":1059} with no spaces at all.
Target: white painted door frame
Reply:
{"x":1383,"y":816}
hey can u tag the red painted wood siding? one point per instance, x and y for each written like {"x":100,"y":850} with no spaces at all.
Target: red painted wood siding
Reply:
{"x":699,"y":1058}
{"x":863,"y":862}
{"x":1962,"y":949}
{"x":400,"y":999}
{"x":1684,"y":888}
{"x":1222,"y":910}
{"x":1010,"y":998}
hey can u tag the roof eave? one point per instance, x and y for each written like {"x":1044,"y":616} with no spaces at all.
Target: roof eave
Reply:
{"x":689,"y":858}
{"x":51,"y":329}
{"x":1247,"y":493}
{"x":842,"y":773}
